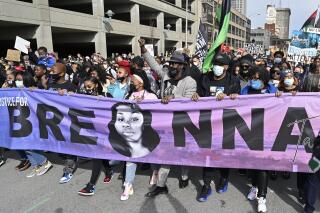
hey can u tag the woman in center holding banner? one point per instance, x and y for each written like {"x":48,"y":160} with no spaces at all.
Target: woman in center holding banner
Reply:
{"x":259,"y":84}
{"x":131,"y":133}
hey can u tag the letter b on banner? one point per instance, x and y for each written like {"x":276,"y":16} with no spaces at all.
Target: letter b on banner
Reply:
{"x":25,"y":124}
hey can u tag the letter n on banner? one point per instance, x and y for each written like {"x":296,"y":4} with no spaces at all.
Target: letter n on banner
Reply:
{"x":203,"y":135}
{"x":253,"y":137}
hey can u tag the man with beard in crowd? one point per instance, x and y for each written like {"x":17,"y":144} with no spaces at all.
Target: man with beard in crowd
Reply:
{"x":174,"y":84}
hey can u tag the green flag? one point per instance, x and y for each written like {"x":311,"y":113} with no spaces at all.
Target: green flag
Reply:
{"x":223,"y":32}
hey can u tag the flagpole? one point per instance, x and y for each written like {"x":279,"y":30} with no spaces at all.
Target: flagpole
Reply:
{"x":187,"y":4}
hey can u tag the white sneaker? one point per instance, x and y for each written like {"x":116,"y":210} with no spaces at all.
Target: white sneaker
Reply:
{"x":262,"y":206}
{"x":44,"y":168}
{"x":128,"y":191}
{"x":33,"y":172}
{"x":252,"y":193}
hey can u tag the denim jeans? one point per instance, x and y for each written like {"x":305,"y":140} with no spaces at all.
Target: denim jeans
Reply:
{"x":130,"y":172}
{"x":36,"y":158}
{"x":312,"y":186}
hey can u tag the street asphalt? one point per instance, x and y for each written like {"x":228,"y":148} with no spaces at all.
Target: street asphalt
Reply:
{"x":45,"y":195}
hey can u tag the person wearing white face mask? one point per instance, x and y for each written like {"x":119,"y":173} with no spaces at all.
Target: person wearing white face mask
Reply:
{"x":218,"y":83}
{"x":288,"y":83}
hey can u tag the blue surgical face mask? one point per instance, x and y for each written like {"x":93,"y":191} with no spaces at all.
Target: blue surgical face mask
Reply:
{"x":277,"y":60}
{"x":218,"y":70}
{"x":288,"y":82}
{"x":256,"y":84}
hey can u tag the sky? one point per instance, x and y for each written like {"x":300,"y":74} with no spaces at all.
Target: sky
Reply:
{"x":300,"y":11}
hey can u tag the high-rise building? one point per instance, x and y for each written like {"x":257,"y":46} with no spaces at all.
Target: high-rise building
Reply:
{"x":207,"y":17}
{"x":240,"y":6}
{"x":283,"y":22}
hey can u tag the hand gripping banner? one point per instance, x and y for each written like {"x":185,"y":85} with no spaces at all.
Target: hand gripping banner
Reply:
{"x":253,"y":132}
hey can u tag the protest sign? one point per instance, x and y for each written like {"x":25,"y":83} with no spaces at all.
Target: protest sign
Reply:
{"x":13,"y":55}
{"x":304,"y":40}
{"x":243,"y":133}
{"x":150,"y":49}
{"x":22,"y":44}
{"x":313,"y":30}
{"x":253,"y":48}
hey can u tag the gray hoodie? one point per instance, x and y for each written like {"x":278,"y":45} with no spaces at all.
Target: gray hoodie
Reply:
{"x":185,"y":88}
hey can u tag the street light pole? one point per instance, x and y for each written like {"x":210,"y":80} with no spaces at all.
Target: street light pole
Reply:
{"x":186,"y":44}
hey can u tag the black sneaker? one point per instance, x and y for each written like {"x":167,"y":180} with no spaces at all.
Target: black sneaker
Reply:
{"x":88,"y":190}
{"x":205,"y":194}
{"x":157,"y":191}
{"x":223,"y":186}
{"x":183,"y":183}
{"x":24,"y":165}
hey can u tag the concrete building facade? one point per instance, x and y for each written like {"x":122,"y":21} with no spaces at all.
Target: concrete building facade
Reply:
{"x":207,"y":17}
{"x":82,"y":25}
{"x":239,"y":28}
{"x":283,"y":22}
{"x":261,"y":37}
{"x":240,"y":6}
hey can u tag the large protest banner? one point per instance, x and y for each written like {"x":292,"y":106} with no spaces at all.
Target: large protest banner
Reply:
{"x":253,"y":132}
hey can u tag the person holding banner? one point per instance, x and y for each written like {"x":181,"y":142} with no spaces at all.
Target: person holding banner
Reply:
{"x":91,"y":87}
{"x":132,"y":134}
{"x":175,"y":83}
{"x":259,"y":84}
{"x":246,"y":62}
{"x":219,"y":83}
{"x":58,"y":83}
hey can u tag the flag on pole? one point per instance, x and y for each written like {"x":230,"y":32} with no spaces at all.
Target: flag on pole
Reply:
{"x":313,"y":21}
{"x":223,"y":32}
{"x":202,"y":42}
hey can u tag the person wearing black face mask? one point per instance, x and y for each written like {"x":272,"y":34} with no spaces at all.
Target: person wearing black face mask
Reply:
{"x":57,"y":80}
{"x":58,"y":83}
{"x":175,"y":83}
{"x":92,"y":87}
{"x":246,"y":63}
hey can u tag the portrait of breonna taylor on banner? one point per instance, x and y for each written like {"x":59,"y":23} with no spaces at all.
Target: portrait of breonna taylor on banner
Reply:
{"x":131,"y":133}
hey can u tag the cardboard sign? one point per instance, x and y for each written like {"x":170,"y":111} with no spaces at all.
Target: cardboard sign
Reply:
{"x":13,"y":55}
{"x":22,"y":44}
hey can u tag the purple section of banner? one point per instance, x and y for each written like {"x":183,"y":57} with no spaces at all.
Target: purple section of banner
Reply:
{"x":165,"y":152}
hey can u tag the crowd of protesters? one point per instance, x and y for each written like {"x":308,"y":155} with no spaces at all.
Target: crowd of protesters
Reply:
{"x":146,"y":77}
